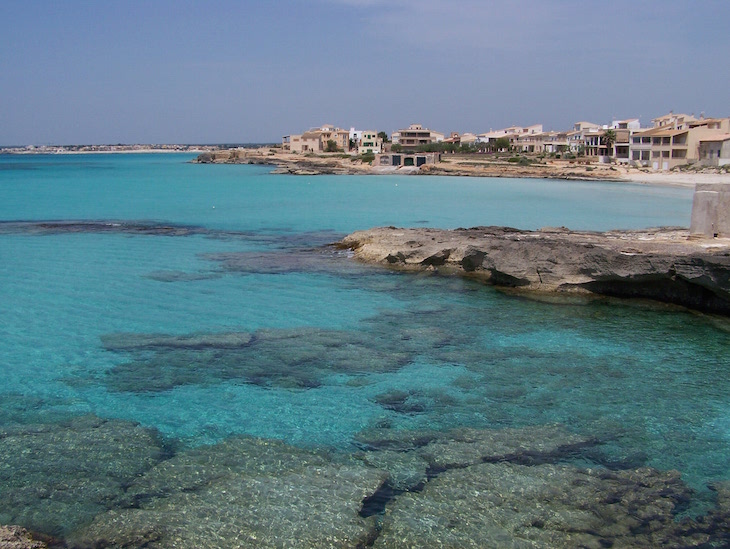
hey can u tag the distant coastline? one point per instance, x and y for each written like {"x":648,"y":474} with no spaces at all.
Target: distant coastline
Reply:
{"x":285,"y":162}
{"x":122,"y":148}
{"x":459,"y":165}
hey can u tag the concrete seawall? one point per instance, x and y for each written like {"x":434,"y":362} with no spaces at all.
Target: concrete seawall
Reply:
{"x":711,"y":210}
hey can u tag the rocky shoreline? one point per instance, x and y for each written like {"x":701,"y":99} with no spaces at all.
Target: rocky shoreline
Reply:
{"x":451,"y":165}
{"x":459,"y":165}
{"x":664,"y":264}
{"x":287,"y":163}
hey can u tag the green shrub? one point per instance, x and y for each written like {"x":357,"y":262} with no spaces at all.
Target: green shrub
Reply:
{"x":367,"y":157}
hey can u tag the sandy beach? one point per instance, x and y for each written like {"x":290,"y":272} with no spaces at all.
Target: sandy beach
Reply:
{"x":674,"y":179}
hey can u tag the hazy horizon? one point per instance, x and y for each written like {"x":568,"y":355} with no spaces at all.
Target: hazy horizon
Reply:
{"x":250,"y":72}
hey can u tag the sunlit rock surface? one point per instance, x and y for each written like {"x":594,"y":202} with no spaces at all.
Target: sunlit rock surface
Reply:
{"x":661,"y":264}
{"x":508,"y":505}
{"x":14,"y":537}
{"x":243,"y":493}
{"x":461,"y":488}
{"x":56,"y":476}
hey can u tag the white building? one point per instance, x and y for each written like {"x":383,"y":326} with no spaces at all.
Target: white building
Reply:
{"x":370,"y":142}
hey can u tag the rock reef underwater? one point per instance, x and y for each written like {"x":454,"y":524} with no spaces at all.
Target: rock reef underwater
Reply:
{"x":423,"y":473}
{"x":114,"y":484}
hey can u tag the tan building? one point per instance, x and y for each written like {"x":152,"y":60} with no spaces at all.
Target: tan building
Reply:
{"x":578,"y":137}
{"x":467,"y":138}
{"x":622,"y":145}
{"x":513,"y":134}
{"x":316,"y":140}
{"x":415,"y":136}
{"x":370,"y":143}
{"x":546,"y":142}
{"x":715,"y":150}
{"x":668,"y":147}
{"x":720,"y":124}
{"x":673,"y":121}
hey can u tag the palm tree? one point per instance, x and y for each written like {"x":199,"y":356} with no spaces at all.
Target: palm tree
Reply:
{"x":609,"y":138}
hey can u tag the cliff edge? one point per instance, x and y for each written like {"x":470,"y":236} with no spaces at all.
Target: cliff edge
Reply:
{"x":662,"y":264}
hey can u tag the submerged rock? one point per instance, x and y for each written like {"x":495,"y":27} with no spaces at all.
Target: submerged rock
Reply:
{"x":412,"y":457}
{"x":14,"y":537}
{"x":138,"y":342}
{"x":57,"y":476}
{"x":104,"y":226}
{"x":190,"y":470}
{"x":180,"y":276}
{"x":243,"y":493}
{"x":296,"y":358}
{"x":406,"y":470}
{"x":309,"y":260}
{"x":465,"y":446}
{"x":546,"y":506}
{"x":533,"y":444}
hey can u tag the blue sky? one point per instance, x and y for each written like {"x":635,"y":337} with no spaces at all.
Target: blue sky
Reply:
{"x":180,"y":71}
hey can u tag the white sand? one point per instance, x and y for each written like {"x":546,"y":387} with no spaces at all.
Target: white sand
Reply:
{"x":674,"y":179}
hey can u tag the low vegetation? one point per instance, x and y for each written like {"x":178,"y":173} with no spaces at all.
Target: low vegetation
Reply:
{"x":367,"y":157}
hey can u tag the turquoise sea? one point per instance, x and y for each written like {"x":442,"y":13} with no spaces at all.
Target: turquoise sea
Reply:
{"x":153,"y":308}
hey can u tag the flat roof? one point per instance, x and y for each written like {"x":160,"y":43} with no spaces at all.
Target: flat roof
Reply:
{"x":660,"y":132}
{"x":716,"y":138}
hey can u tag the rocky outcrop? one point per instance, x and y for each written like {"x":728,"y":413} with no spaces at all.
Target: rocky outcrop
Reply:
{"x":15,"y":537}
{"x":289,"y":163}
{"x":661,"y":264}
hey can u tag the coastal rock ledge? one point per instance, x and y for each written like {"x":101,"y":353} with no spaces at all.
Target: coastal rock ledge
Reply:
{"x":665,"y":264}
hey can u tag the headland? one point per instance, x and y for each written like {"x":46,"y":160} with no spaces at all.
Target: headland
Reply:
{"x":107,"y":149}
{"x":666,"y":265}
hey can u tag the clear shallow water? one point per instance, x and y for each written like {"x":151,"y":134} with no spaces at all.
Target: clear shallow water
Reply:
{"x":99,"y":321}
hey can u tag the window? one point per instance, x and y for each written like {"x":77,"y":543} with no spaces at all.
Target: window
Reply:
{"x":655,"y":154}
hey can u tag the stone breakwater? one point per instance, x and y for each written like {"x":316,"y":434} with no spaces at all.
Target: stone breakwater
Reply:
{"x":662,"y":264}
